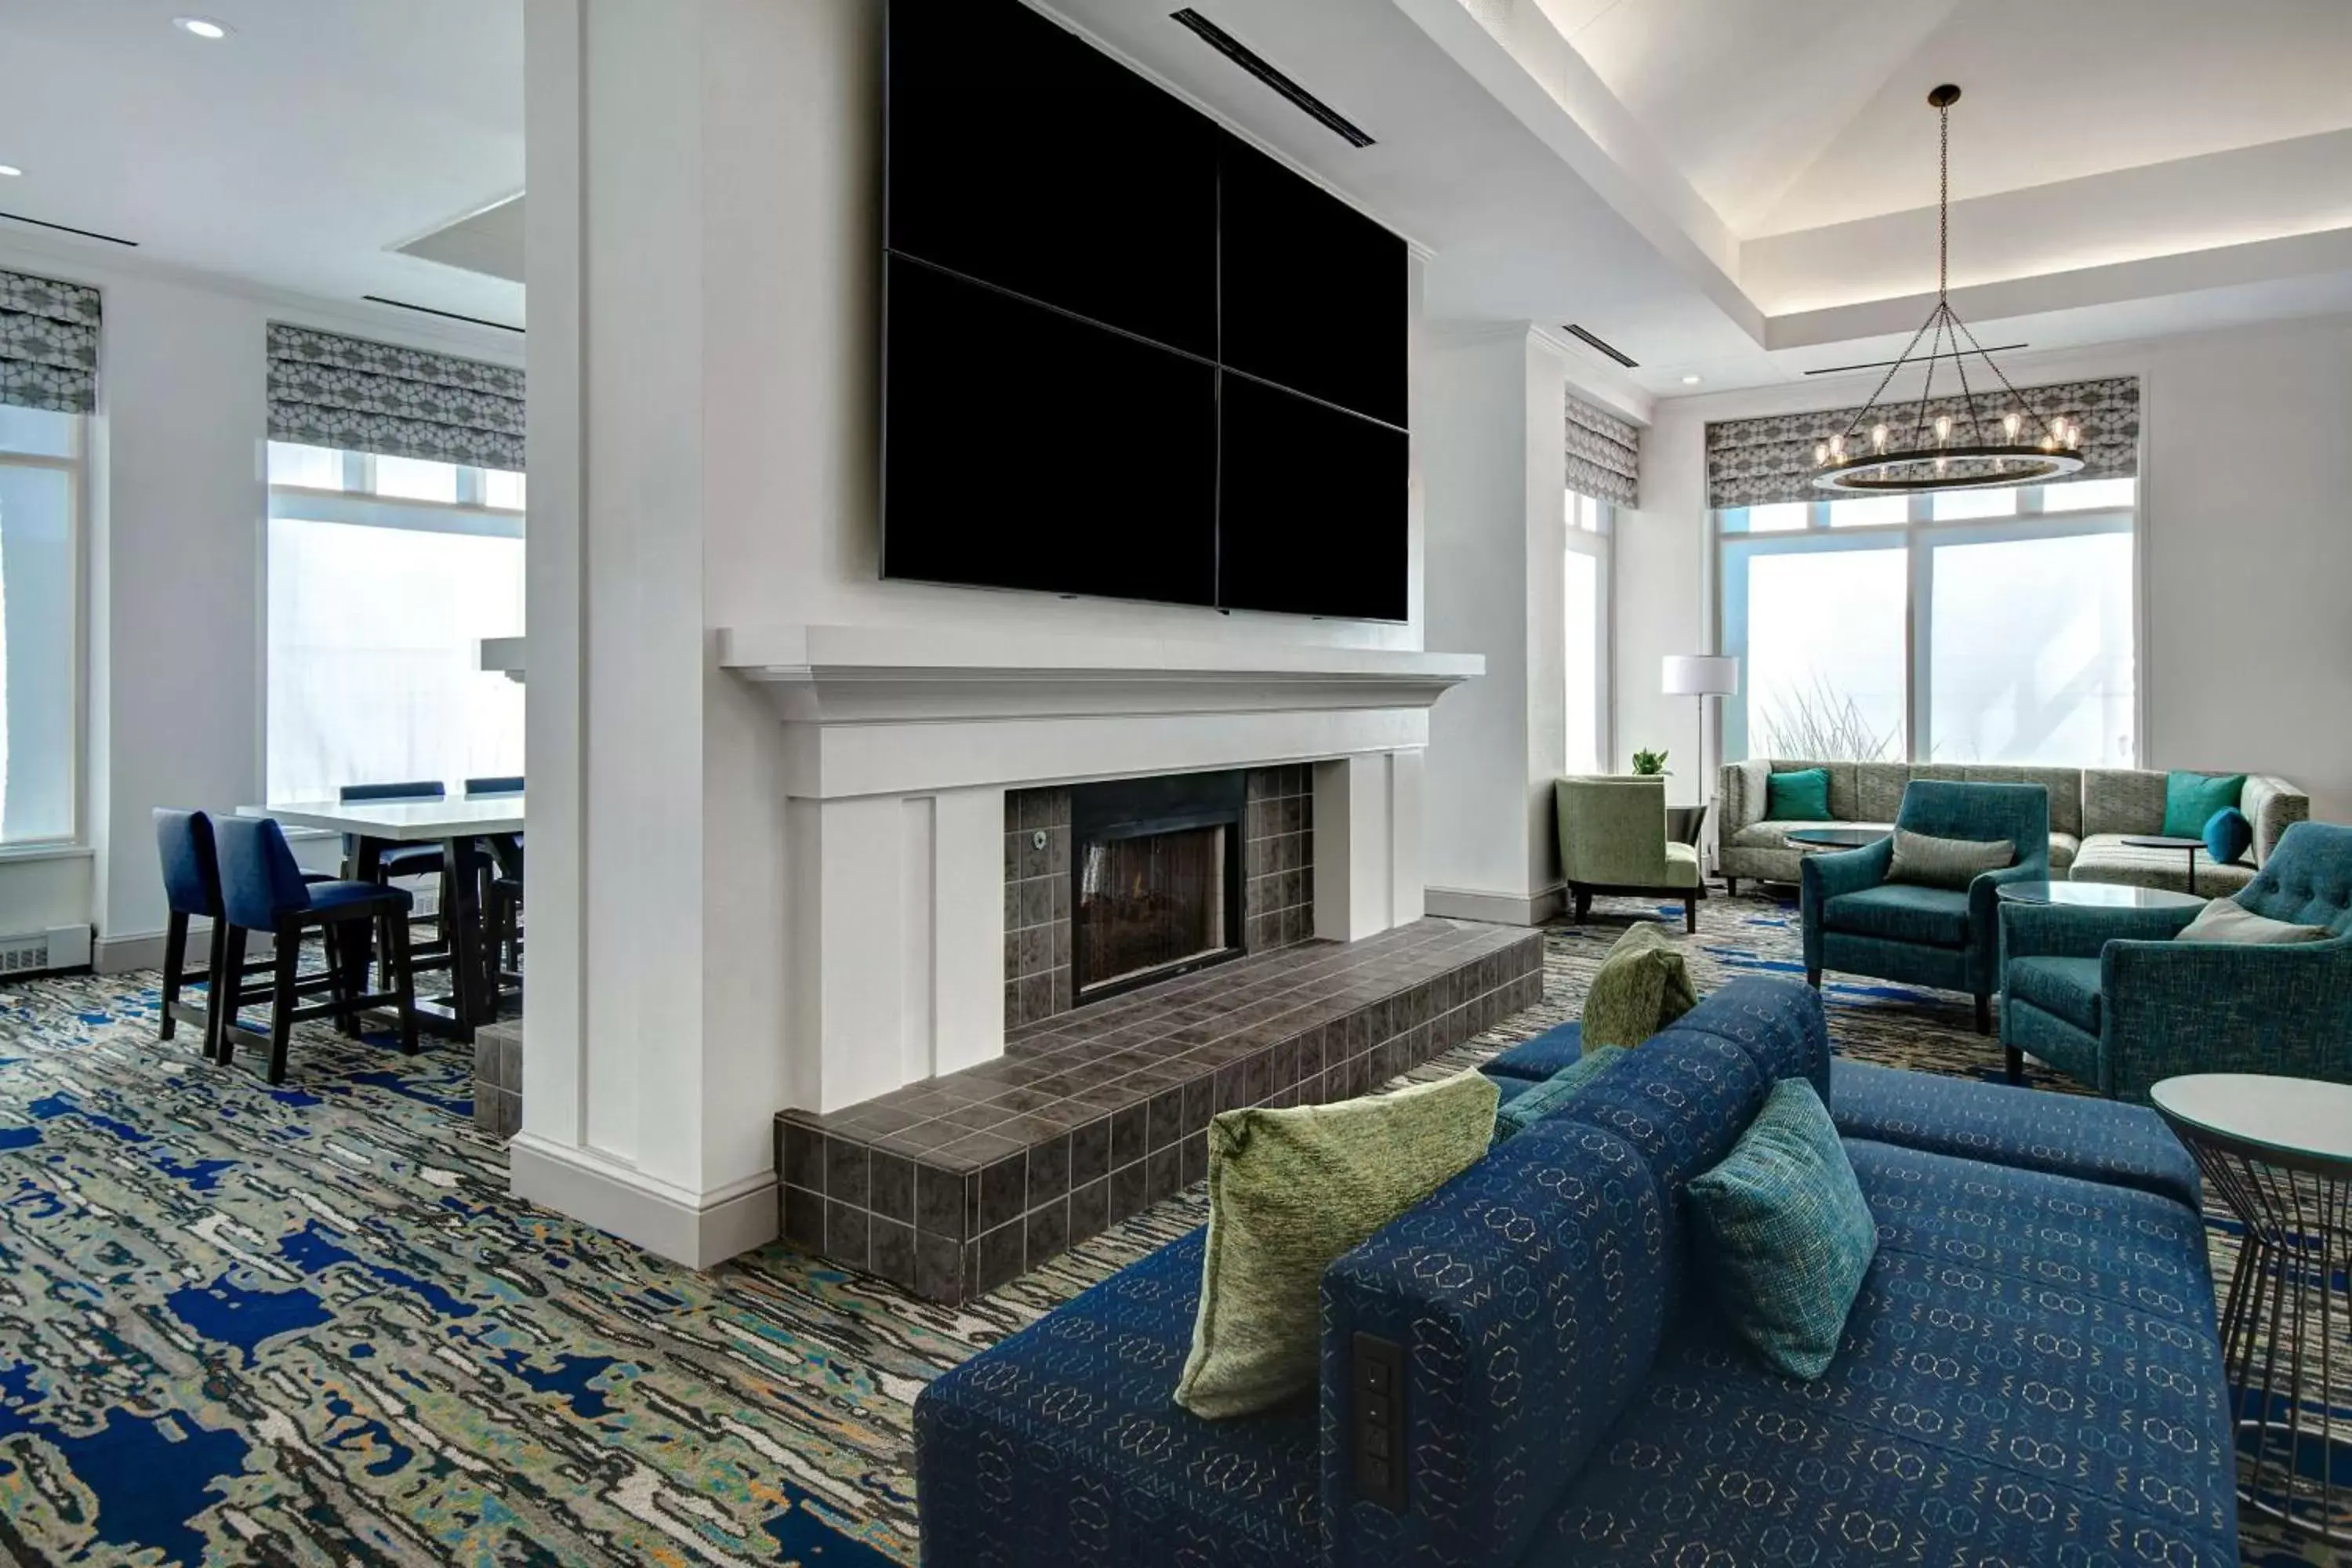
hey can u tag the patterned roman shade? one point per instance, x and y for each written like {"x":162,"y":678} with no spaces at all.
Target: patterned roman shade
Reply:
{"x":1758,"y":462}
{"x":1604,"y":454}
{"x":48,"y":344}
{"x":362,"y":397}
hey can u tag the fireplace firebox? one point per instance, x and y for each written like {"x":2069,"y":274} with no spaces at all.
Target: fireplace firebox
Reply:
{"x":1155,"y":878}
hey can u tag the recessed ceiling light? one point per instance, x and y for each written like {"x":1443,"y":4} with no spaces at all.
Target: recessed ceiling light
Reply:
{"x":9,"y":171}
{"x":202,"y":27}
{"x":1690,"y":381}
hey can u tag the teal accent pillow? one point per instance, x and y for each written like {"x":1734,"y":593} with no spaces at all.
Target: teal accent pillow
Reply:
{"x":1782,"y":1235}
{"x":2191,"y":799}
{"x":1518,"y":1115}
{"x":1799,"y":796}
{"x":2227,"y":834}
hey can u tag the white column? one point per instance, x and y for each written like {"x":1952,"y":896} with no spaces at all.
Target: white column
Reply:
{"x":700,"y":269}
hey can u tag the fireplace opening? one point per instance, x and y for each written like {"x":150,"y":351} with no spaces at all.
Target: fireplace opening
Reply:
{"x":1155,"y":879}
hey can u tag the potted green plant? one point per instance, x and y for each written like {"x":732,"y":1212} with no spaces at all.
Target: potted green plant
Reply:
{"x":1650,"y":765}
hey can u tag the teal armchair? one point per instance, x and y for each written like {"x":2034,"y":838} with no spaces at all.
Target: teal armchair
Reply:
{"x":2107,"y":997}
{"x":1857,"y":922}
{"x":1612,"y":839}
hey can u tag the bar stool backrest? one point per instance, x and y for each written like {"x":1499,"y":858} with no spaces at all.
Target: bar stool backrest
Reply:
{"x":511,"y":785}
{"x":419,"y":789}
{"x":190,"y":864}
{"x":259,"y":879}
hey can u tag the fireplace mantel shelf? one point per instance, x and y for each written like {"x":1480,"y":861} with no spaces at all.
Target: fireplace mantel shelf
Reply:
{"x":848,"y":675}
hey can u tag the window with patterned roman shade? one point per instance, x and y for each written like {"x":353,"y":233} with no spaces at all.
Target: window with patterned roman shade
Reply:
{"x":1604,"y":454}
{"x":327,"y":390}
{"x":48,"y":344}
{"x":1763,"y":462}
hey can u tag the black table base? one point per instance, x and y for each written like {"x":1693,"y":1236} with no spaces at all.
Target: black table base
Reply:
{"x":2283,"y":1336}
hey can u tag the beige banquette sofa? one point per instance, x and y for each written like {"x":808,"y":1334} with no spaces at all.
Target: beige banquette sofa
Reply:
{"x":2092,"y":812}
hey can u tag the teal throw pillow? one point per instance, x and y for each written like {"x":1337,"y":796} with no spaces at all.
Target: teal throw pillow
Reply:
{"x":2227,"y":834}
{"x":1518,"y":1115}
{"x":1783,"y":1237}
{"x":1799,"y":796}
{"x":2191,"y":799}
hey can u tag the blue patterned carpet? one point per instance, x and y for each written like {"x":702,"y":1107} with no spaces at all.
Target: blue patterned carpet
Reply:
{"x":308,"y":1325}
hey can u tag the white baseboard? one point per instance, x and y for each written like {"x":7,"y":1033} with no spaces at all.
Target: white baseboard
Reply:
{"x":698,"y":1230}
{"x":120,"y":954}
{"x":1496,"y":908}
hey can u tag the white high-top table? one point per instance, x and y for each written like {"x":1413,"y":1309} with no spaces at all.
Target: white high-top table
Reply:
{"x":461,"y":825}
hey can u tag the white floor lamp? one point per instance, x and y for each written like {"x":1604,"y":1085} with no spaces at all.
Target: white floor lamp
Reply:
{"x":1700,"y":676}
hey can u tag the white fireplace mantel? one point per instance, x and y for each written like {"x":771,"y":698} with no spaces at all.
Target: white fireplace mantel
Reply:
{"x":861,"y":674}
{"x":899,"y":744}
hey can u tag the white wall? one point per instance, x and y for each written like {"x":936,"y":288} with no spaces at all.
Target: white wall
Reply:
{"x":2246,"y":558}
{"x":703,"y":261}
{"x":174,"y":529}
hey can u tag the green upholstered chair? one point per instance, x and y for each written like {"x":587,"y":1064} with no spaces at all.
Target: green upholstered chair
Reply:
{"x":1612,"y":839}
{"x":1858,"y":922}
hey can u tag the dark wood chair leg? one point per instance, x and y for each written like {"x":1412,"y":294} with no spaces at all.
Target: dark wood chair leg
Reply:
{"x":1984,"y":1014}
{"x":175,"y":959}
{"x":347,"y":944}
{"x":282,"y":999}
{"x":1690,"y":914}
{"x":2016,"y":1065}
{"x":1813,"y":977}
{"x":403,"y":986}
{"x":1731,"y":887}
{"x":1583,"y":901}
{"x":215,"y":986}
{"x":227,"y":986}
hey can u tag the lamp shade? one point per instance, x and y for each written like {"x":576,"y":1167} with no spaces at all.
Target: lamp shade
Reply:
{"x":1698,"y":675}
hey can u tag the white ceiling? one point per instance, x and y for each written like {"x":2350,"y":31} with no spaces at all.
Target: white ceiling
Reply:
{"x":1739,"y":190}
{"x":297,"y":153}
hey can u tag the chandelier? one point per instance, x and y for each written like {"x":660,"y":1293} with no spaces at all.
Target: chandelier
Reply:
{"x":1902,"y":446}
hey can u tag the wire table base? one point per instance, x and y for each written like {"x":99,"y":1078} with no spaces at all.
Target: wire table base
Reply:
{"x":2283,"y":1332}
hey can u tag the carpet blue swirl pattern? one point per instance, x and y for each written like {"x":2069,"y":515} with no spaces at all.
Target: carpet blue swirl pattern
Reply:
{"x":308,"y":1324}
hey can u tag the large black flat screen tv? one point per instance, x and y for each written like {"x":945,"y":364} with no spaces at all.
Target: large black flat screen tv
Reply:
{"x":1125,"y":353}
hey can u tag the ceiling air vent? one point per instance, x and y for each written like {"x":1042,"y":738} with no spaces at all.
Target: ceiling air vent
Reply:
{"x":69,"y":228}
{"x":1250,"y":60}
{"x":445,"y":315}
{"x":1580,"y":335}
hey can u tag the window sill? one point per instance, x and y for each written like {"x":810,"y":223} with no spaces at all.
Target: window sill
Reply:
{"x":9,"y":852}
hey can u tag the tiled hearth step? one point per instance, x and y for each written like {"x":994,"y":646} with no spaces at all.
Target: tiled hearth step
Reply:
{"x":953,"y":1186}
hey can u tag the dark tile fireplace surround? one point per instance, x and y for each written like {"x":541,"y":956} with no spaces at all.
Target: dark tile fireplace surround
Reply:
{"x":1043,"y":841}
{"x":955,"y":1185}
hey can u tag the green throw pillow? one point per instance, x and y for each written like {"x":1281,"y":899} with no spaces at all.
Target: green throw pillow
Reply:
{"x":1784,"y":1236}
{"x":1925,"y":860}
{"x":1799,"y":796}
{"x":1289,"y":1191}
{"x":1518,"y":1115}
{"x":1641,"y":987}
{"x":2191,"y":799}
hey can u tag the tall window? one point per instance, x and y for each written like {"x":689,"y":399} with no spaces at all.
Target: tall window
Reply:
{"x":40,"y":632}
{"x":385,"y":574}
{"x":1955,"y":627}
{"x":1587,"y":565}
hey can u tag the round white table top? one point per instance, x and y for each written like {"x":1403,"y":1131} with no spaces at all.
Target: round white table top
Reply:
{"x":2296,"y":1116}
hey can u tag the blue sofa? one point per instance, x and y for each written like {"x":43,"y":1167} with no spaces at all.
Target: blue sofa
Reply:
{"x":1858,"y":922}
{"x":2106,"y":997}
{"x":2029,"y":1375}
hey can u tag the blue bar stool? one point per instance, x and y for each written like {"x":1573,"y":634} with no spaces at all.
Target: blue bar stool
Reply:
{"x":192,"y":890}
{"x":262,"y":890}
{"x":502,"y":890}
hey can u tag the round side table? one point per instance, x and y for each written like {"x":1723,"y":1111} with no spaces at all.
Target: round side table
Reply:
{"x":2279,"y":1151}
{"x":2096,"y":896}
{"x":2165,"y":841}
{"x":1835,"y":837}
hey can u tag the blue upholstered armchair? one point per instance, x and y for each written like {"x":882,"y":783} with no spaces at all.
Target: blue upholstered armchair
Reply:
{"x":2106,"y":997}
{"x":1858,"y":922}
